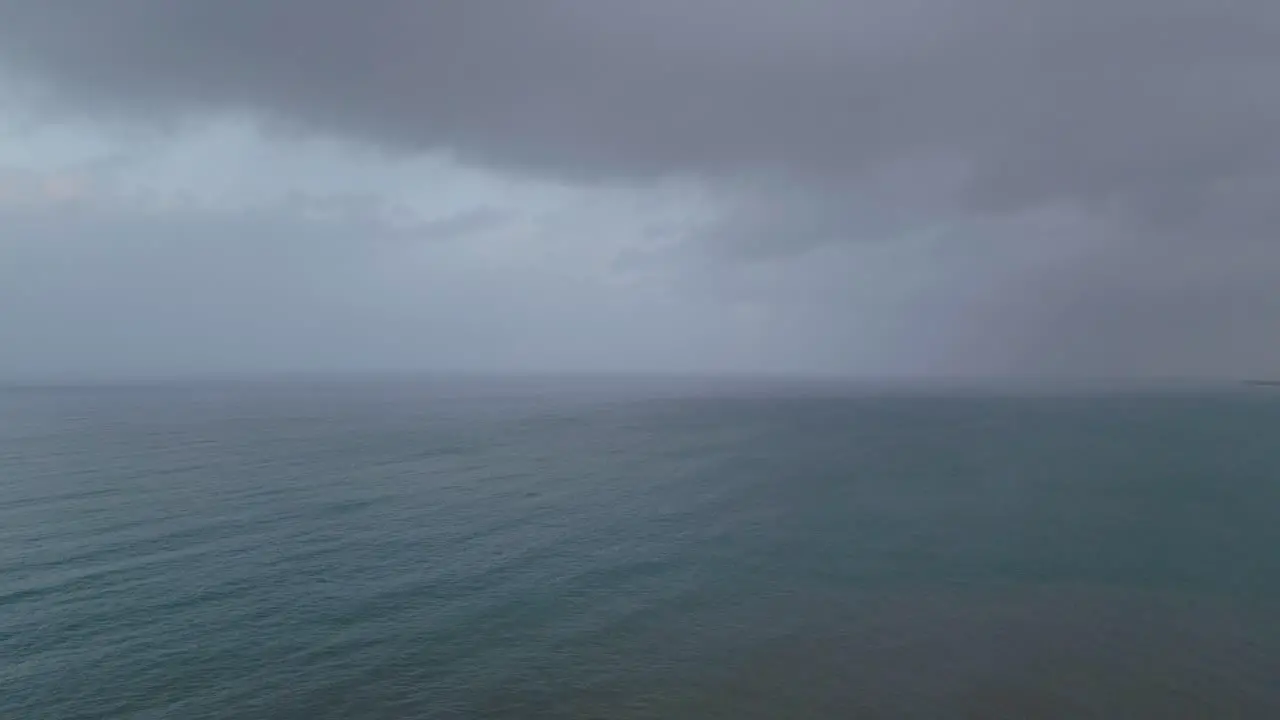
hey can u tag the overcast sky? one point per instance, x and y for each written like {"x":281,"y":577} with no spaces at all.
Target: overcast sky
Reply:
{"x":879,"y":187}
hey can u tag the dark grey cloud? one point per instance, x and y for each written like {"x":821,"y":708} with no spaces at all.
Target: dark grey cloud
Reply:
{"x":1038,"y":99}
{"x":1156,"y":123}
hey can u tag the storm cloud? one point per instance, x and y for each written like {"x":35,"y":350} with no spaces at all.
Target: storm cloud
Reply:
{"x":1101,"y":177}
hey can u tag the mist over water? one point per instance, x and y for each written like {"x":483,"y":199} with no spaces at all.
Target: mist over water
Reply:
{"x":596,"y":548}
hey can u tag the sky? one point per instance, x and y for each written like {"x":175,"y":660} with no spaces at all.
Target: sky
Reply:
{"x":857,"y":187}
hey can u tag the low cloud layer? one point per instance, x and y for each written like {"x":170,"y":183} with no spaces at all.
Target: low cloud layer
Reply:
{"x":158,"y":291}
{"x":1101,"y":177}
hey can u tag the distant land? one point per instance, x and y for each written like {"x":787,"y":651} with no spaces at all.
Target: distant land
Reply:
{"x":1264,"y":383}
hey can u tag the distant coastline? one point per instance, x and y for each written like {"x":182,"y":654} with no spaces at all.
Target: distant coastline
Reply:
{"x":1263,"y":383}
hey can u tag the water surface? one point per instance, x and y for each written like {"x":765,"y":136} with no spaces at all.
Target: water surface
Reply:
{"x":607,"y":549}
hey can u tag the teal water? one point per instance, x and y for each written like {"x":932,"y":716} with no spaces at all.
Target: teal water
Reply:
{"x":592,"y":549}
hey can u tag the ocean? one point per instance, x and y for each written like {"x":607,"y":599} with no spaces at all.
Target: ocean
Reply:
{"x":609,"y":548}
